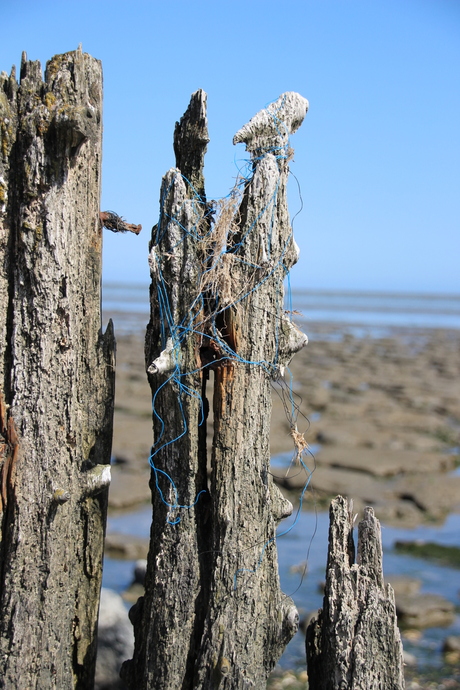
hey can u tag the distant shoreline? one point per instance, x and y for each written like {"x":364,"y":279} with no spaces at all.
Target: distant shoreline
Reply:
{"x":367,"y":313}
{"x":135,"y":323}
{"x":420,"y":294}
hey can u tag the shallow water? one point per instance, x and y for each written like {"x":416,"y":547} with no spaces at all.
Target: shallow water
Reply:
{"x":379,"y":308}
{"x":324,"y":315}
{"x":435,"y":579}
{"x":307,"y":542}
{"x":362,"y":313}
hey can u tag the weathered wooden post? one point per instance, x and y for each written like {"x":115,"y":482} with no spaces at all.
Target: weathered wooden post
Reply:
{"x":355,"y":644}
{"x":56,"y":374}
{"x":213,"y":615}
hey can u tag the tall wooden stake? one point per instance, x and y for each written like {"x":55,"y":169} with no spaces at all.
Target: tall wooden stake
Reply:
{"x":56,"y":374}
{"x":213,"y":615}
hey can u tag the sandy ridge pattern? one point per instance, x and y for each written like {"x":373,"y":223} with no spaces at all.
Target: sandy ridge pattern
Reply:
{"x":385,"y":413}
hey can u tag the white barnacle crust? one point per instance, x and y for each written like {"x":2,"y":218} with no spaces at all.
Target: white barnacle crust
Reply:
{"x":296,"y":251}
{"x":96,"y":479}
{"x":154,"y":262}
{"x":295,"y":339}
{"x":292,"y":618}
{"x":292,"y":339}
{"x":273,"y":125}
{"x":281,"y":506}
{"x":4,"y":195}
{"x":164,"y":363}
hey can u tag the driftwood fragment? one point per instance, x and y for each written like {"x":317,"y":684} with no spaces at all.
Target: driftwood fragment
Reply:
{"x":112,"y":221}
{"x":354,"y":644}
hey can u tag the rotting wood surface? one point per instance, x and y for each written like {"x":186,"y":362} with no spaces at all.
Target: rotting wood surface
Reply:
{"x":213,"y":614}
{"x":56,"y":374}
{"x":354,"y":644}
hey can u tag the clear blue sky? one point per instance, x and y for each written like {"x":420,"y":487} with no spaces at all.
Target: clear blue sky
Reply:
{"x":377,"y":158}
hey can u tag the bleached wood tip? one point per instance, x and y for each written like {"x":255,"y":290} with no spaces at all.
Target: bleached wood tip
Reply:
{"x":273,"y":125}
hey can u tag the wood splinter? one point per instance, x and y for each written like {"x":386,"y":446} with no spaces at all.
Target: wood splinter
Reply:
{"x":115,"y":223}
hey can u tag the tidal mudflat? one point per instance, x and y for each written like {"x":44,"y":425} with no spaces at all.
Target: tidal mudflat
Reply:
{"x":381,"y":414}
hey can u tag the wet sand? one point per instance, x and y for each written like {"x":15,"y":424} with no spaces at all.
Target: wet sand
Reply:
{"x":385,"y":413}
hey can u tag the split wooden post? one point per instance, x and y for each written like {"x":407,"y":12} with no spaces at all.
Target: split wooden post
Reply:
{"x":213,"y":615}
{"x":354,"y":644}
{"x":56,"y":374}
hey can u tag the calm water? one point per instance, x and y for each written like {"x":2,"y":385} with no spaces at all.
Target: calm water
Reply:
{"x":359,"y":313}
{"x":307,"y":543}
{"x":128,"y":305}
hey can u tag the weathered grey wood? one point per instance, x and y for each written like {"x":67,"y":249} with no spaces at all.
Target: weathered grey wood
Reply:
{"x":213,"y":615}
{"x":355,"y":644}
{"x":168,"y":624}
{"x":56,"y":374}
{"x":190,"y":143}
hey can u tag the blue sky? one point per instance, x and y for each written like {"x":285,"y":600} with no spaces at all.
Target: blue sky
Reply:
{"x":377,"y":158}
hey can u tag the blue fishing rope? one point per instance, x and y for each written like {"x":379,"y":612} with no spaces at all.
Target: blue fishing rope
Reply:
{"x":190,"y":322}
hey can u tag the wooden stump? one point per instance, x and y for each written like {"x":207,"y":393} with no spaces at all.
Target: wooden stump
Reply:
{"x":355,"y":644}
